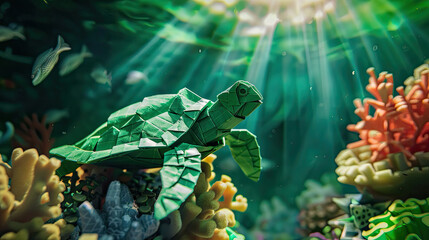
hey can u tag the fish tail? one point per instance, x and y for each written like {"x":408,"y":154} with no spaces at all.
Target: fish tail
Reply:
{"x":84,"y":52}
{"x":10,"y":131}
{"x":61,"y":46}
{"x":19,"y":32}
{"x":109,"y":77}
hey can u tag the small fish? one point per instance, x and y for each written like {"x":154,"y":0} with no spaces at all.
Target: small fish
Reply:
{"x":55,"y":115}
{"x":100,"y":75}
{"x":7,"y":135}
{"x":134,"y":77}
{"x":8,"y":33}
{"x":46,"y":61}
{"x":73,"y":61}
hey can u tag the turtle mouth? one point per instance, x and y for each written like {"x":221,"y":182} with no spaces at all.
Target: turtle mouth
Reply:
{"x":247,"y":109}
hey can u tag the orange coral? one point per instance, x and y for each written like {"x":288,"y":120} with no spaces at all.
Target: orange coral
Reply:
{"x":399,"y":124}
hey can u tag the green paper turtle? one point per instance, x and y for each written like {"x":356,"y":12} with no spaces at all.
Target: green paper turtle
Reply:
{"x":172,"y":131}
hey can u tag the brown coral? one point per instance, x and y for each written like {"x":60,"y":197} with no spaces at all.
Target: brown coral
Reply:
{"x":35,"y":134}
{"x":202,"y":215}
{"x":33,"y":197}
{"x":316,"y":216}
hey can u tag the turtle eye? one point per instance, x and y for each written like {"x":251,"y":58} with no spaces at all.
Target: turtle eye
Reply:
{"x":242,"y":91}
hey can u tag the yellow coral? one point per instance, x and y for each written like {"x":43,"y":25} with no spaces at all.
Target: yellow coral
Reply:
{"x":33,"y":197}
{"x":202,"y":215}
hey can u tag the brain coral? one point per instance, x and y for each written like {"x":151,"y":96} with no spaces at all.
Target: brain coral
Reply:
{"x":402,"y":220}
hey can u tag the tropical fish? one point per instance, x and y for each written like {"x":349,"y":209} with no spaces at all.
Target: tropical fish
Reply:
{"x":8,"y":33}
{"x":7,"y":135}
{"x":100,"y":75}
{"x":46,"y":61}
{"x":134,"y":77}
{"x":55,"y":115}
{"x":73,"y":61}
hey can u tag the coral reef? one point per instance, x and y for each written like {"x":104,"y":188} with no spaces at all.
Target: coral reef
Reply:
{"x":33,"y":197}
{"x":275,"y":221}
{"x":327,"y":233}
{"x":317,"y":192}
{"x":402,"y":220}
{"x":145,"y":187}
{"x":34,"y":134}
{"x":78,"y":190}
{"x":315,"y":217}
{"x":399,"y":123}
{"x":202,"y":215}
{"x":118,"y":218}
{"x":391,"y":155}
{"x":360,"y":208}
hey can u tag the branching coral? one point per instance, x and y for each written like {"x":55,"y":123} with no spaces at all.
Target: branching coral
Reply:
{"x":392,"y":153}
{"x":402,"y":220}
{"x":203,"y":216}
{"x":33,"y":197}
{"x":399,"y":123}
{"x":35,"y":134}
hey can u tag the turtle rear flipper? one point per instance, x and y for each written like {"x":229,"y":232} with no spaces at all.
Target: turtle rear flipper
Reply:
{"x":179,"y":175}
{"x":245,"y":151}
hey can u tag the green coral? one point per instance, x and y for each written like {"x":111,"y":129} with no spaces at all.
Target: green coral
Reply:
{"x":402,"y":220}
{"x":145,"y":188}
{"x":363,"y":212}
{"x":77,"y":191}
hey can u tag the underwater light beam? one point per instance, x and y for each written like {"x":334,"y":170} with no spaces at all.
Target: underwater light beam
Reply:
{"x":257,"y":70}
{"x":220,"y":68}
{"x":125,"y":67}
{"x":368,"y":47}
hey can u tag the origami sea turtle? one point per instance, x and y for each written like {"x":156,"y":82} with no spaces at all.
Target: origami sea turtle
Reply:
{"x":172,"y":131}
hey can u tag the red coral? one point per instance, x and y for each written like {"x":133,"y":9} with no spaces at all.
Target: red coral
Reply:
{"x":35,"y":134}
{"x":399,"y":124}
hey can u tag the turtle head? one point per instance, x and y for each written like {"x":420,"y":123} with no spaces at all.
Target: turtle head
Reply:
{"x":241,"y":99}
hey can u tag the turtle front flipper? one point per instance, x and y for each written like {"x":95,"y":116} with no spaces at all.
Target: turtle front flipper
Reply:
{"x":71,"y":158}
{"x":245,"y":151}
{"x":179,"y":175}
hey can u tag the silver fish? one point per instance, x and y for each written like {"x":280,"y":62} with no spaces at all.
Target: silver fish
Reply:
{"x":8,"y":33}
{"x":73,"y":61}
{"x":100,"y":75}
{"x":46,"y":61}
{"x":134,"y":77}
{"x":55,"y":115}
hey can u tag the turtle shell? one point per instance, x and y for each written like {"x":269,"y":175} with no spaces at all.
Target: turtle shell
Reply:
{"x":139,"y":134}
